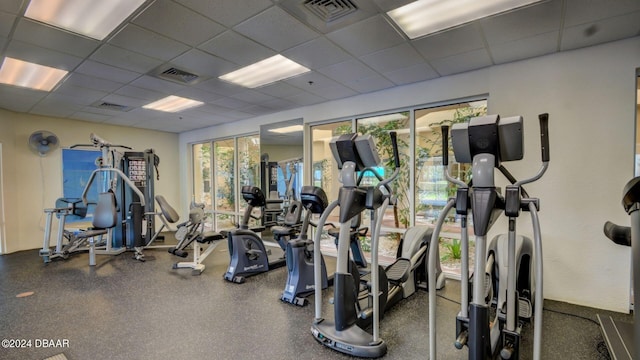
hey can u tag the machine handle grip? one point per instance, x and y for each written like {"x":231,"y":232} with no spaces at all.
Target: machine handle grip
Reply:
{"x":394,"y":143}
{"x":544,"y":136}
{"x":445,"y":145}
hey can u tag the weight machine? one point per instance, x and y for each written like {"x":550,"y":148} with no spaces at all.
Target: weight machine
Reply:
{"x":133,"y":189}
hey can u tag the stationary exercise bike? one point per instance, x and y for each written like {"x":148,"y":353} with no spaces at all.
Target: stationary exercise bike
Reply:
{"x":356,"y":311}
{"x":506,"y":285}
{"x":623,"y":339}
{"x":248,"y":254}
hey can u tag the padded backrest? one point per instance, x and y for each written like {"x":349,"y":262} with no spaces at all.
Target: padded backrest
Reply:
{"x":294,"y":213}
{"x":167,"y":211}
{"x":105,"y":214}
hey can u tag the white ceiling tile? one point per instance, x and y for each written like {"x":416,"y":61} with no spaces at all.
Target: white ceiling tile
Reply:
{"x":6,"y":23}
{"x":311,"y":80}
{"x":462,"y":62}
{"x":89,"y":116}
{"x":198,"y":94}
{"x":332,"y":92}
{"x":411,"y":74}
{"x":99,"y":70}
{"x":91,"y":82}
{"x":217,"y":86}
{"x":279,"y":104}
{"x":155,"y":84}
{"x":236,"y":48}
{"x":202,"y":63}
{"x":397,"y":57}
{"x":52,"y":38}
{"x":252,"y":96}
{"x":11,"y":6}
{"x":227,"y":12}
{"x":367,"y":36}
{"x":178,"y":22}
{"x":208,"y":109}
{"x":579,"y":12}
{"x":304,"y":98}
{"x":122,"y":58}
{"x":387,"y":5}
{"x":69,"y":98}
{"x":52,"y":107}
{"x":258,"y":110}
{"x":279,"y":89}
{"x":124,"y":100}
{"x":139,"y":93}
{"x":525,"y":48}
{"x":524,"y":23}
{"x":230,"y":103}
{"x":19,"y":99}
{"x":237,"y":115}
{"x":276,"y":29}
{"x":42,"y":56}
{"x":127,"y":121}
{"x":369,"y":84}
{"x":610,"y":29}
{"x":317,"y":53}
{"x":347,"y":71}
{"x":81,"y":95}
{"x":143,"y":41}
{"x":451,"y":42}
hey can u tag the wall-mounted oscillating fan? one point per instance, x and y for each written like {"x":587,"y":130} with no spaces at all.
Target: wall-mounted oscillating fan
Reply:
{"x":42,"y":142}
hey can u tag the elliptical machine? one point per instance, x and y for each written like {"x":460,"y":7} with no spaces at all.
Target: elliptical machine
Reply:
{"x":504,"y":276}
{"x":354,"y":312}
{"x":623,"y":339}
{"x":300,"y":278}
{"x":248,"y":254}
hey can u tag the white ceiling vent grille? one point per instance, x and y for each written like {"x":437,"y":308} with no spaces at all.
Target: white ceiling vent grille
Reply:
{"x":112,"y":106}
{"x":330,"y":10}
{"x":177,"y":75}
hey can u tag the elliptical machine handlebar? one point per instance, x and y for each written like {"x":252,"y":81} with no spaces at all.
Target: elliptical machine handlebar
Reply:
{"x":396,"y":160}
{"x":445,"y":158}
{"x":544,"y":148}
{"x":544,"y":136}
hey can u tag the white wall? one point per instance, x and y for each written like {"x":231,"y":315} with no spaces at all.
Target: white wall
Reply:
{"x":32,"y":183}
{"x":590,"y":96}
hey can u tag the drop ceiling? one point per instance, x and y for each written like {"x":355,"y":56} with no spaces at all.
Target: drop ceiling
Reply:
{"x":358,"y":51}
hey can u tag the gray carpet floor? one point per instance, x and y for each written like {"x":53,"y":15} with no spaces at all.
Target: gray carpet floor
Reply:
{"x":125,"y":309}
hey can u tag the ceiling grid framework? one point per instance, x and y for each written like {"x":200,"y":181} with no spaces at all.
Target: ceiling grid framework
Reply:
{"x":359,"y":51}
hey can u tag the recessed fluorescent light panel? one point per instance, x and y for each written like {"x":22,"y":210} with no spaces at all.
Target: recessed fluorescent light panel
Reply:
{"x":265,"y":72}
{"x":93,"y":18}
{"x":287,"y":129}
{"x":424,"y":17}
{"x":25,"y":74}
{"x":173,"y":104}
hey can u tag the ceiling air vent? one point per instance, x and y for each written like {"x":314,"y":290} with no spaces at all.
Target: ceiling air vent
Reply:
{"x":177,"y":75}
{"x":330,"y":10}
{"x":112,"y":106}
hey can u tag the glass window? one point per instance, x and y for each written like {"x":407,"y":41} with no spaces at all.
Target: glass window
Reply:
{"x":224,"y":175}
{"x":325,"y":170}
{"x":397,"y":218}
{"x":249,"y":160}
{"x":432,"y":190}
{"x":202,"y":173}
